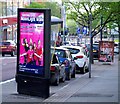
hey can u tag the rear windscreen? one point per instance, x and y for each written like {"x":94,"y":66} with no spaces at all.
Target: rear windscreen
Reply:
{"x":73,"y":50}
{"x":5,"y":43}
{"x":60,"y":53}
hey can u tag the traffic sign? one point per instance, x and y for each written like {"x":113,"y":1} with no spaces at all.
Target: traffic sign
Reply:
{"x":78,"y":30}
{"x":84,"y":30}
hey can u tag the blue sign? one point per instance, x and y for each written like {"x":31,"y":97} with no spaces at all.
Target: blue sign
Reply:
{"x":78,"y":30}
{"x":80,"y":36}
{"x":84,"y":30}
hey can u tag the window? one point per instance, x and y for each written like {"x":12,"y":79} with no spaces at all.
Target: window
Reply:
{"x":73,"y":50}
{"x":60,"y":53}
{"x":54,"y":59}
{"x":5,"y":43}
{"x":68,"y":55}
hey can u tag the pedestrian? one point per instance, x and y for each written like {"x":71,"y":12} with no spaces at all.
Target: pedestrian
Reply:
{"x":35,"y":51}
{"x":29,"y":55}
{"x":26,"y":48}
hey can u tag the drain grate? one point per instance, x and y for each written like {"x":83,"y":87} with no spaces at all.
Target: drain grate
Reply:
{"x":91,"y":95}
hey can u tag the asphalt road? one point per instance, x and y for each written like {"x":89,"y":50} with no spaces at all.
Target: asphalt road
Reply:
{"x":8,"y":68}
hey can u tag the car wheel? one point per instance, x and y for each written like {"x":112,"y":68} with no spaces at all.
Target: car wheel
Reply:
{"x":83,"y":70}
{"x":57,"y":80}
{"x":87,"y":70}
{"x":73,"y":75}
{"x":68,"y":76}
{"x":63,"y":78}
{"x":13,"y":53}
{"x":3,"y":54}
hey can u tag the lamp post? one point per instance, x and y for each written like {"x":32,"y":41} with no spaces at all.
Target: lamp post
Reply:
{"x":63,"y":16}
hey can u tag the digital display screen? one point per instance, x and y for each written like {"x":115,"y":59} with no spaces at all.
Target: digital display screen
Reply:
{"x":31,"y":57}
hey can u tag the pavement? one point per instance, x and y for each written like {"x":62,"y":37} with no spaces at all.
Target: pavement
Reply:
{"x":101,"y":87}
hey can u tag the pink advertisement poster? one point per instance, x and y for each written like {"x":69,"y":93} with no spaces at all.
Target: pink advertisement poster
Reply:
{"x":31,"y":42}
{"x":106,"y":51}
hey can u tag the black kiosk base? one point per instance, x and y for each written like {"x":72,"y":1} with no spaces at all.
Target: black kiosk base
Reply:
{"x":32,"y":86}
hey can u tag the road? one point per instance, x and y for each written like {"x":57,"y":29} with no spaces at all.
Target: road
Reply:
{"x":8,"y":69}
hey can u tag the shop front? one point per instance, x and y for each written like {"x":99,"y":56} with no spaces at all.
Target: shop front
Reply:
{"x":8,"y":27}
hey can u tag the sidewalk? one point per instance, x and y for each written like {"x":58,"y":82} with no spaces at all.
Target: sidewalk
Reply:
{"x":102,"y":87}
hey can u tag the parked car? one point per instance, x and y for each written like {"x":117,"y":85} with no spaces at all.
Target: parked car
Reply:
{"x":80,"y":57}
{"x":8,"y":47}
{"x":95,"y":49}
{"x":65,"y":57}
{"x":57,"y":71}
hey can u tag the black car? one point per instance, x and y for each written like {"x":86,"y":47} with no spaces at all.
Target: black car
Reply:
{"x":57,"y":71}
{"x":95,"y":49}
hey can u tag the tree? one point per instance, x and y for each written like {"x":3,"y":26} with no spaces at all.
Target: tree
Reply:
{"x":71,"y":24}
{"x":80,"y":12}
{"x":54,"y":6}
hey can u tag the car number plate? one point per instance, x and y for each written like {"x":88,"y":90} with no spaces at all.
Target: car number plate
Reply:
{"x":94,"y":51}
{"x":3,"y":47}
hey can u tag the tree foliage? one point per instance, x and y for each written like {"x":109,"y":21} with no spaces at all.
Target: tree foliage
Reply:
{"x":71,"y":24}
{"x":54,"y":6}
{"x":80,"y":11}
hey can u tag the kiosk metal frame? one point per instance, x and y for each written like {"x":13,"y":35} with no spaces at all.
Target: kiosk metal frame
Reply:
{"x":31,"y":83}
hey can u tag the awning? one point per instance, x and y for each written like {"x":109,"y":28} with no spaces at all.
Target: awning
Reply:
{"x":5,"y":27}
{"x":56,"y":20}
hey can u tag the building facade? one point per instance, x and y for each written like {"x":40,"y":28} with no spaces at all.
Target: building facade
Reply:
{"x":8,"y":18}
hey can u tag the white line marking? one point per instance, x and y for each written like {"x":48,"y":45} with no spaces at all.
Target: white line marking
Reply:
{"x":63,"y":87}
{"x":7,"y":81}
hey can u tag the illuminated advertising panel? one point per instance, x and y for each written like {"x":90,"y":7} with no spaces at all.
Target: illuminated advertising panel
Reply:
{"x":31,"y":50}
{"x":106,"y":51}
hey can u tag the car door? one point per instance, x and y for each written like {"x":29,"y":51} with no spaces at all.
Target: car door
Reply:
{"x":86,"y":58}
{"x":61,"y":68}
{"x":71,"y":61}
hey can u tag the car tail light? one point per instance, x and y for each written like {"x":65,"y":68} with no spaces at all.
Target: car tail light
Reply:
{"x":79,"y":56}
{"x":52,"y":68}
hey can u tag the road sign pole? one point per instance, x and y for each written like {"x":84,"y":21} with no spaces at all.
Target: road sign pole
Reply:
{"x":90,"y":31}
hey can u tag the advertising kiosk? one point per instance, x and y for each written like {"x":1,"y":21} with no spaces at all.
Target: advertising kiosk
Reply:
{"x":106,"y":51}
{"x":33,"y":47}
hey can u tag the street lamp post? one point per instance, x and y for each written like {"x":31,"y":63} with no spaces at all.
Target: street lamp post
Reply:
{"x":63,"y":16}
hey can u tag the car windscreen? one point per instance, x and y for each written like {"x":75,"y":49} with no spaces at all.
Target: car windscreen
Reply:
{"x":95,"y":46}
{"x":60,"y":53}
{"x":73,"y":50}
{"x":5,"y":43}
